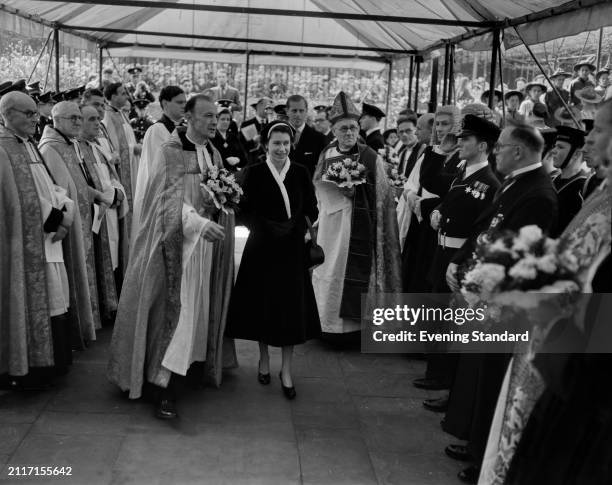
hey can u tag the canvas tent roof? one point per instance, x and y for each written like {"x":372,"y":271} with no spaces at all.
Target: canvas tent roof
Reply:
{"x":375,"y":30}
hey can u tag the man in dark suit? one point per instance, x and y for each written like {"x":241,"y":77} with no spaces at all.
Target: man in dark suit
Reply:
{"x":322,"y":123}
{"x":411,"y":148}
{"x":370,"y":118}
{"x":526,"y":197}
{"x":308,"y":143}
{"x":223,"y":90}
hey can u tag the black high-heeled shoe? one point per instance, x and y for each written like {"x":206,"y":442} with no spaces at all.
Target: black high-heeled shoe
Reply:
{"x":288,"y":392}
{"x":263,"y":379}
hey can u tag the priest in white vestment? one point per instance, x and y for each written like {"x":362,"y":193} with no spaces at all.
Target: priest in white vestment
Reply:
{"x":172,"y":100}
{"x":172,"y":309}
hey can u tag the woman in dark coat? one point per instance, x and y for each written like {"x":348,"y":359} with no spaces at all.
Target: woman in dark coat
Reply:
{"x":228,"y":143}
{"x":273,"y":301}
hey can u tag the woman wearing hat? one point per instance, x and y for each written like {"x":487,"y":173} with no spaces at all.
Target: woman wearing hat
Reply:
{"x":552,"y":100}
{"x":533,"y":91}
{"x":583,"y":70}
{"x":273,"y":301}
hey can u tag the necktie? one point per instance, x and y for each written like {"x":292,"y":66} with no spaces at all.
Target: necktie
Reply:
{"x":509,"y":180}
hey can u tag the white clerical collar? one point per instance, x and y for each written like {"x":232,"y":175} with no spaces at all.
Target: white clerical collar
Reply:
{"x":196,"y":144}
{"x":369,"y":132}
{"x":471,"y":169}
{"x":528,"y":168}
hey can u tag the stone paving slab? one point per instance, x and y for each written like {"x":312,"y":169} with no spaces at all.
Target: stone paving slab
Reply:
{"x":357,"y":420}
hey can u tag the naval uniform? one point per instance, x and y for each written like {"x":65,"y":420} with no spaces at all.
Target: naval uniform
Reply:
{"x":470,"y":194}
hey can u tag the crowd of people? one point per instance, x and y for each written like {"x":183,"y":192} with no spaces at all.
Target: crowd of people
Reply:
{"x":112,"y":218}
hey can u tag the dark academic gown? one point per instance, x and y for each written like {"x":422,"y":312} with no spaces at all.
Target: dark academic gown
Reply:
{"x":308,"y":149}
{"x":530,"y":199}
{"x":436,"y":176}
{"x":567,"y":439}
{"x":254,"y":150}
{"x":408,"y":161}
{"x":273,"y":300}
{"x":569,"y":193}
{"x":590,"y":184}
{"x":230,"y":147}
{"x":374,"y":140}
{"x":329,"y":138}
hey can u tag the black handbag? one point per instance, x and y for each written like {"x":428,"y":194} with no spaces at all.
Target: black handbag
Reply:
{"x":314,"y":253}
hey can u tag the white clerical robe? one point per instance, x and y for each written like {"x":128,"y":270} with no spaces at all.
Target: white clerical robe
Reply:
{"x":109,"y":185}
{"x":156,"y":135}
{"x":51,"y":196}
{"x":334,"y":234}
{"x":189,"y":342}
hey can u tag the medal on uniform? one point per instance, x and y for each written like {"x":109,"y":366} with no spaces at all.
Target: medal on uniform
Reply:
{"x":225,"y":145}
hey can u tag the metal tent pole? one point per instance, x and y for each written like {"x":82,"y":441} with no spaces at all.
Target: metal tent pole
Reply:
{"x":410,"y":82}
{"x":57,"y":63}
{"x":494,"y":55}
{"x":445,"y":78}
{"x":389,"y":80}
{"x":599,"y":48}
{"x":100,"y":62}
{"x":451,"y":77}
{"x":433,"y":92}
{"x":418,"y":60}
{"x":246,"y":84}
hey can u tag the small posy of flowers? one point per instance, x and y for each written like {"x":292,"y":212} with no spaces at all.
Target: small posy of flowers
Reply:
{"x":507,"y":267}
{"x":223,"y":188}
{"x":345,"y":173}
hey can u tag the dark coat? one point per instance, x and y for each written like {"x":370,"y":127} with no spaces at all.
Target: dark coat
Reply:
{"x":308,"y":149}
{"x":230,"y":147}
{"x":374,"y":140}
{"x":531,"y":199}
{"x":273,"y":300}
{"x":569,"y":193}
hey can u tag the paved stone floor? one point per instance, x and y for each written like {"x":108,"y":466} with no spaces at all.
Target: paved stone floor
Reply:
{"x":357,"y":420}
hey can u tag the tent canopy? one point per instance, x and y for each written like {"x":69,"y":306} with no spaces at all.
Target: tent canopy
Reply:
{"x":375,"y":30}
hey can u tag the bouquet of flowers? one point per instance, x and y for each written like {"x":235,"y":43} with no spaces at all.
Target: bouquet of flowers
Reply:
{"x":345,"y":172}
{"x":223,"y":188}
{"x":515,"y":269}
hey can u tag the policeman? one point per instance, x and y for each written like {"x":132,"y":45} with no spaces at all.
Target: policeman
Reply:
{"x":45,"y":104}
{"x":141,"y":122}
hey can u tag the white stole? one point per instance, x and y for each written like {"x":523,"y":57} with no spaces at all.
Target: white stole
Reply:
{"x":280,"y":178}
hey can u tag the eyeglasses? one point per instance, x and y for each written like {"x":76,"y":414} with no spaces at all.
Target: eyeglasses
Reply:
{"x":73,"y":118}
{"x":29,"y":114}
{"x":498,"y":146}
{"x":346,"y":129}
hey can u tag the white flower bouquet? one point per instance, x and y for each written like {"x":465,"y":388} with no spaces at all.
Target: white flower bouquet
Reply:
{"x":223,"y":189}
{"x":514,"y":270}
{"x":345,"y":172}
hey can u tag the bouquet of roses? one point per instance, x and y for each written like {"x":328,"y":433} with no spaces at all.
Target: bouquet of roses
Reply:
{"x":223,"y":188}
{"x":345,"y":172}
{"x":514,"y":270}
